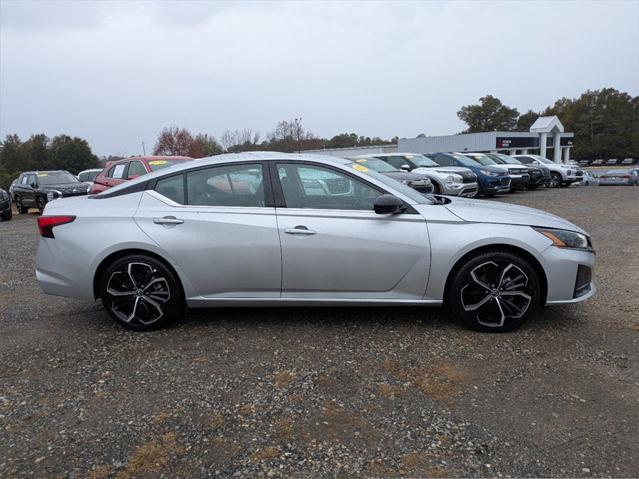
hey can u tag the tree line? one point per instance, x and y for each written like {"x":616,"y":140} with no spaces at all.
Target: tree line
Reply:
{"x":605,"y":122}
{"x":288,"y":136}
{"x":41,"y":153}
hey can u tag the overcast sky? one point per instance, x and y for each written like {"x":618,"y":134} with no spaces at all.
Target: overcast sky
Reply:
{"x":115,"y":73}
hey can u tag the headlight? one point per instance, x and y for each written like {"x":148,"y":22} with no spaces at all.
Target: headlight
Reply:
{"x":88,"y":188}
{"x":488,"y":173}
{"x":566,"y":239}
{"x":450,"y":179}
{"x":52,"y":195}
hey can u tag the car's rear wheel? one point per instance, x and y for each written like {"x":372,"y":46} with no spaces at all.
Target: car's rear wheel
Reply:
{"x":141,"y":293}
{"x":495,"y":292}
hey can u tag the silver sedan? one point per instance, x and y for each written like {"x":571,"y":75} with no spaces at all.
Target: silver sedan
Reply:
{"x":273,"y":229}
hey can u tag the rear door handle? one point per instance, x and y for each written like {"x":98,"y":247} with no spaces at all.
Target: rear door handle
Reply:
{"x":299,"y":230}
{"x":168,"y":220}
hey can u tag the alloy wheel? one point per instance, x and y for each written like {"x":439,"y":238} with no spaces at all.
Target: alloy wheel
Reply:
{"x":497,"y":292}
{"x":137,"y":293}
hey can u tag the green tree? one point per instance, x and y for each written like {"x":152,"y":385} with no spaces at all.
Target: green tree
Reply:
{"x":71,"y":154}
{"x":205,"y":145}
{"x":36,"y":153}
{"x":605,"y":123}
{"x":489,"y":115}
{"x":11,"y":160}
{"x":525,"y":121}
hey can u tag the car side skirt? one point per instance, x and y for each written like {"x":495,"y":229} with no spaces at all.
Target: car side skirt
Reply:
{"x":256,"y":302}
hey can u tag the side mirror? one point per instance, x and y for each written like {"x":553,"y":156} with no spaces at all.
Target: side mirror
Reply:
{"x":33,"y":185}
{"x":388,"y":205}
{"x":405,"y":167}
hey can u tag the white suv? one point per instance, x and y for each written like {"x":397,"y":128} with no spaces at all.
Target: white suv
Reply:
{"x":560,"y":174}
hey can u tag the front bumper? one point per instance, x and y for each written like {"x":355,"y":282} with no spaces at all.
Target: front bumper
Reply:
{"x":519,"y":182}
{"x":5,"y":205}
{"x":466,"y":190}
{"x":496,"y":185}
{"x":562,"y":268}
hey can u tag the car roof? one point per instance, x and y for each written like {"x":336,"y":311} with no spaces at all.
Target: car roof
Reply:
{"x":35,"y":172}
{"x":229,"y":158}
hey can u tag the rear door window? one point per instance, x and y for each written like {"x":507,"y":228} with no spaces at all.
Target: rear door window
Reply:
{"x":234,"y":185}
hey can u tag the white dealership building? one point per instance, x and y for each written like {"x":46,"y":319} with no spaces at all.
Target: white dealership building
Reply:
{"x":547,"y":133}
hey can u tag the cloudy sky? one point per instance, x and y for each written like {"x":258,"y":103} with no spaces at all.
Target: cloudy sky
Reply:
{"x":115,"y":73}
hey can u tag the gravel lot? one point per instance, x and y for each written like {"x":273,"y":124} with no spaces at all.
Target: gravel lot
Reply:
{"x":327,"y":392}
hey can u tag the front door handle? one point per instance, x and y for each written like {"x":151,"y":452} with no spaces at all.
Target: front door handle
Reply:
{"x":168,"y":220}
{"x":299,"y":230}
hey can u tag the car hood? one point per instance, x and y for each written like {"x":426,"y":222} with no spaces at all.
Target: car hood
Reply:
{"x":482,"y":211}
{"x":404,"y":175}
{"x":442,"y":169}
{"x":65,"y":186}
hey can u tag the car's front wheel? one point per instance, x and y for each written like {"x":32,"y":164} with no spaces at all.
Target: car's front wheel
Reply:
{"x":496,"y":291}
{"x":23,"y":210}
{"x":141,"y":293}
{"x":555,"y":180}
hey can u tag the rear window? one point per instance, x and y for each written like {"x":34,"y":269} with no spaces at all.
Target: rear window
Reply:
{"x":156,"y":165}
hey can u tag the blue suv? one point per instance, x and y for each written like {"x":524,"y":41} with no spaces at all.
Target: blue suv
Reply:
{"x":491,"y":180}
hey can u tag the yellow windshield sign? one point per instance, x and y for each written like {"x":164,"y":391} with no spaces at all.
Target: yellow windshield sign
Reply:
{"x":43,"y":174}
{"x":158,"y":162}
{"x":361,"y":168}
{"x":361,"y":160}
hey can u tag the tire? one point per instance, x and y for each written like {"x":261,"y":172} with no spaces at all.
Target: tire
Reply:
{"x":436,"y":189}
{"x":7,"y":216}
{"x":564,"y":185}
{"x":555,"y":180}
{"x":476,"y":297}
{"x":141,"y":293}
{"x":20,"y":208}
{"x":41,"y":202}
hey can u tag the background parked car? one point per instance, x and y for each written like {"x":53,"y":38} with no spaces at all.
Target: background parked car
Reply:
{"x":87,"y":176}
{"x":620,"y":177}
{"x":5,"y":205}
{"x":416,"y":181}
{"x":539,"y":174}
{"x":519,"y":175}
{"x":490,"y":180}
{"x":560,"y":174}
{"x":590,"y":178}
{"x":34,"y":189}
{"x":450,"y":180}
{"x":116,"y":172}
{"x":628,"y":161}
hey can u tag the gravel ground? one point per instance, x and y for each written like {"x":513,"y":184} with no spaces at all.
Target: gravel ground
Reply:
{"x":375,"y":392}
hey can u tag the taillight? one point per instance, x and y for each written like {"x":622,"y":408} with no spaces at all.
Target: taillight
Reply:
{"x":47,"y":223}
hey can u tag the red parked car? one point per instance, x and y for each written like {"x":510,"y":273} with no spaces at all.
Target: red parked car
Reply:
{"x":116,"y":172}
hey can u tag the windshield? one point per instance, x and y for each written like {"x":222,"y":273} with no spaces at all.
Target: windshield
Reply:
{"x":88,"y":175}
{"x":483,"y":159}
{"x":506,"y":159}
{"x":464,"y":160}
{"x":394,"y":184}
{"x":376,"y":164}
{"x":544,"y":160}
{"x":156,"y":165}
{"x":56,"y":178}
{"x":421,"y":161}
